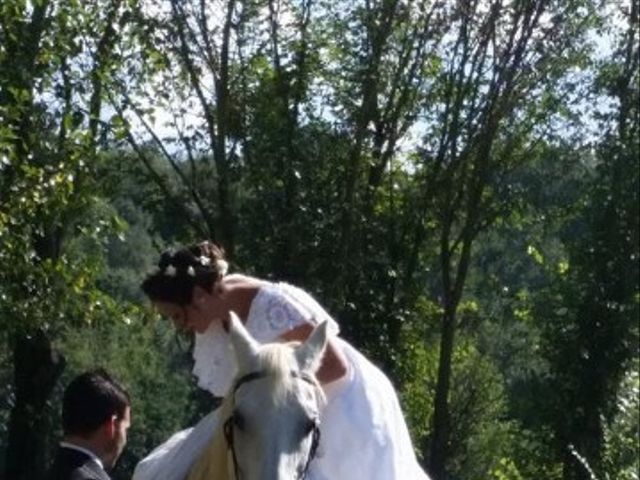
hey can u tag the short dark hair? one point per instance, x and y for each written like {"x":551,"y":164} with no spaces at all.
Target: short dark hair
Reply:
{"x":91,"y":399}
{"x":179,"y":271}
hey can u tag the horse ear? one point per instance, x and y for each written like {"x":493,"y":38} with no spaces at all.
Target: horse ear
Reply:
{"x":244,"y":345}
{"x":309,"y":354}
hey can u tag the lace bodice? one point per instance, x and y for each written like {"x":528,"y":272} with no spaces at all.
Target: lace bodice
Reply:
{"x":276,"y":309}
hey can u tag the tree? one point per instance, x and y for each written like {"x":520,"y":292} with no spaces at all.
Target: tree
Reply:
{"x":201,"y":71}
{"x":54,"y":58}
{"x":500,"y":84}
{"x":592,"y":329}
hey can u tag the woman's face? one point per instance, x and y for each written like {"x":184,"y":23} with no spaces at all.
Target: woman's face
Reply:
{"x":195,"y":316}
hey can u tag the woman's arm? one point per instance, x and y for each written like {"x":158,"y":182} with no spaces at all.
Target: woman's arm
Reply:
{"x":334,"y":365}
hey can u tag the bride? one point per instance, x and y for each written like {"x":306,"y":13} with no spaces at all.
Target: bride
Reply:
{"x":363,"y":432}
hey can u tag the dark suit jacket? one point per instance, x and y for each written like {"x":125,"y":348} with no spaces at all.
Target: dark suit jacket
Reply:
{"x":74,"y":465}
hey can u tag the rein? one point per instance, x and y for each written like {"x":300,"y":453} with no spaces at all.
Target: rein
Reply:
{"x":228,"y":424}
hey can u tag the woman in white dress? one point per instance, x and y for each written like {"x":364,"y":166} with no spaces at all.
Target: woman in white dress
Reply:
{"x":363,"y":432}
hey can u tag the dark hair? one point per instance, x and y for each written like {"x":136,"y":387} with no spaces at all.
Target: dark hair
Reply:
{"x":91,"y":399}
{"x":179,"y":271}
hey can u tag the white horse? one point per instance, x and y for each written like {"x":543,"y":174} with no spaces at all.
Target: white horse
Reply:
{"x":273,"y":413}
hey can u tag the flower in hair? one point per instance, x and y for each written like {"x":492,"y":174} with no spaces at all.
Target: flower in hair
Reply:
{"x":204,"y":260}
{"x":222,"y":266}
{"x":170,"y":271}
{"x":191,"y":271}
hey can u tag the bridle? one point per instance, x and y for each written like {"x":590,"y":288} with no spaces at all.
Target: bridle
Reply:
{"x":228,"y":424}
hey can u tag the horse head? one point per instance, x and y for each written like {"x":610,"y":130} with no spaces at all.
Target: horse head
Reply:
{"x":273,"y":430}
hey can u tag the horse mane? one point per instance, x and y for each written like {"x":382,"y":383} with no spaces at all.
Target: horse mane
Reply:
{"x":278,"y":361}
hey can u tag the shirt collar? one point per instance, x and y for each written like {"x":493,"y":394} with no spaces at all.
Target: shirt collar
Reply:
{"x":89,"y":453}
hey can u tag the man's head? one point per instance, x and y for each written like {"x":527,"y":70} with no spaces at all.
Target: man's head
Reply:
{"x":96,"y":414}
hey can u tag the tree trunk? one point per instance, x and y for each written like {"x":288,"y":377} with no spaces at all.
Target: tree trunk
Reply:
{"x":440,"y":440}
{"x":37,"y":368}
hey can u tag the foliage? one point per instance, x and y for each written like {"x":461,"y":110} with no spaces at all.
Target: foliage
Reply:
{"x":416,"y":371}
{"x":622,"y":438}
{"x":484,"y":441}
{"x":455,"y":181}
{"x":49,"y":103}
{"x":591,"y":312}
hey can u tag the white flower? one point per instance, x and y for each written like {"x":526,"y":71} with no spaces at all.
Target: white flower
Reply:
{"x":170,"y":271}
{"x":204,"y":260}
{"x":222,"y":267}
{"x":191,"y":271}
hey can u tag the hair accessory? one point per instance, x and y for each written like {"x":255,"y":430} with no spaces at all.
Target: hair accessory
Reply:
{"x":170,"y":271}
{"x":191,"y":271}
{"x":222,"y":266}
{"x":204,"y":260}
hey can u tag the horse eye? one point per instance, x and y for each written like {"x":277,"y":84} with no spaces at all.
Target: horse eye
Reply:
{"x":309,"y":425}
{"x":238,"y":420}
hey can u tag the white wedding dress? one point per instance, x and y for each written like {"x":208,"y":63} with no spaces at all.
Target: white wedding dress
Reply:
{"x":363,"y":432}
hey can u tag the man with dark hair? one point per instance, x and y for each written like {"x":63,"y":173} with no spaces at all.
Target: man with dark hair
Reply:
{"x":96,"y":413}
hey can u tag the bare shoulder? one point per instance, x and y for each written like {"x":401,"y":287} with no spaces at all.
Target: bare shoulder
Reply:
{"x":238,"y":292}
{"x":239,"y":280}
